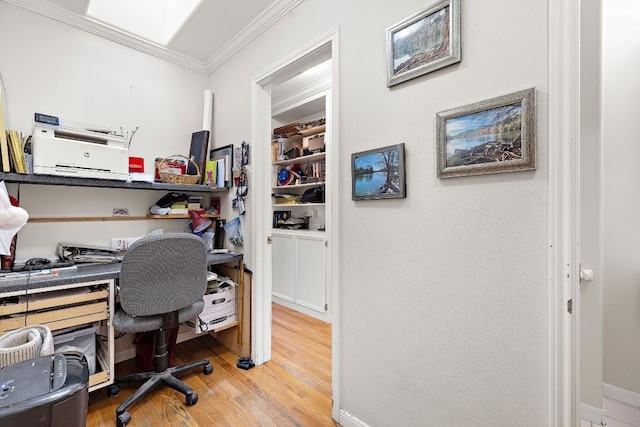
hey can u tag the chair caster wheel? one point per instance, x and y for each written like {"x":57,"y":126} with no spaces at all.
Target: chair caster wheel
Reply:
{"x":192,"y":399}
{"x":113,"y":390}
{"x":207,"y":369}
{"x":123,"y":419}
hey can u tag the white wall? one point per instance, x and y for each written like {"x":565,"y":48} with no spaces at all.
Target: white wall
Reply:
{"x":52,"y":68}
{"x":444,"y":310}
{"x":621,"y":206}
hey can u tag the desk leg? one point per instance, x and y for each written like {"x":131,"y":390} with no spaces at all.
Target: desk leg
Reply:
{"x":238,"y":338}
{"x":239,"y":302}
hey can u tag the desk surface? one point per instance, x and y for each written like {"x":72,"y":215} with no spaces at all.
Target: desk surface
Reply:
{"x":90,"y":272}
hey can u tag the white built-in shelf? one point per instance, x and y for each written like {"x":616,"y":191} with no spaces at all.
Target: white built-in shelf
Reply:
{"x":303,"y":159}
{"x":294,"y":186}
{"x":295,"y":205}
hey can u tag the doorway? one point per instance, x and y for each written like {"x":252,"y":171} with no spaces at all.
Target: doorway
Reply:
{"x":263,"y":87}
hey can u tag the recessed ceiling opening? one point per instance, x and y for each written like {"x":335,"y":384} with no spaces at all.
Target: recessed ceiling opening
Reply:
{"x":154,"y":20}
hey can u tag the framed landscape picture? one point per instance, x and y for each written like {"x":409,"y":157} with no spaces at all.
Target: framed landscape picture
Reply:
{"x":496,"y":135}
{"x":424,"y":42}
{"x":378,"y":173}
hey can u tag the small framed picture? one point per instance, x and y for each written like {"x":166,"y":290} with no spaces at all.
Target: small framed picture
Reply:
{"x":424,"y":42}
{"x":496,"y":135}
{"x":215,"y":206}
{"x":378,"y":173}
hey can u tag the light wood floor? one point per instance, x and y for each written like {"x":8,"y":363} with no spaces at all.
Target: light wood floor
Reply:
{"x":293,"y":389}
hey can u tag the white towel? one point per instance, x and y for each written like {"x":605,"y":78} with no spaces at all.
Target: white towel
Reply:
{"x":12,"y":219}
{"x":25,"y":343}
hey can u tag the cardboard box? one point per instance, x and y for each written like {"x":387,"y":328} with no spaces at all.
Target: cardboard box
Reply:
{"x":219,"y":308}
{"x":220,"y":301}
{"x":313,"y":142}
{"x":211,"y":322}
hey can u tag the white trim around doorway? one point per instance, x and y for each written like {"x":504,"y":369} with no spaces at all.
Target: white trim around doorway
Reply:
{"x":261,"y":120}
{"x":564,"y":220}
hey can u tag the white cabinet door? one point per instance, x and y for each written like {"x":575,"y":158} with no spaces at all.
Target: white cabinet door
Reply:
{"x":284,"y":262}
{"x":310,"y":275}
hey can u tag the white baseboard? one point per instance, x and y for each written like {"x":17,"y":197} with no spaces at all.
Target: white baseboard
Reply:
{"x":594,"y":415}
{"x":348,"y":420}
{"x":324,"y":317}
{"x":621,"y":395}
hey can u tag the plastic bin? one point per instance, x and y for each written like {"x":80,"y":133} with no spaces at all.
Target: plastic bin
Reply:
{"x":81,"y":340}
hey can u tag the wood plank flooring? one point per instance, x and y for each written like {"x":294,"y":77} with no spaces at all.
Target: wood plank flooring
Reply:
{"x":292,"y":389}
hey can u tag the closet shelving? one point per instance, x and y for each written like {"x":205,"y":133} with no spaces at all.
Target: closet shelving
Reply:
{"x":298,"y":165}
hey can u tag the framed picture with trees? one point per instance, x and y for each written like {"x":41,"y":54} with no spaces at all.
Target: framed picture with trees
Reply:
{"x":424,"y":42}
{"x":378,"y":173}
{"x":491,"y":136}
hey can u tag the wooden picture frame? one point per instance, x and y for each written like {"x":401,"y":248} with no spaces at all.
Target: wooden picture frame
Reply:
{"x":492,"y":136}
{"x":378,"y":173}
{"x":424,"y":42}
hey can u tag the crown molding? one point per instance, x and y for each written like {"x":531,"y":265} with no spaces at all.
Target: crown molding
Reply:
{"x":268,"y":18}
{"x":265,"y":20}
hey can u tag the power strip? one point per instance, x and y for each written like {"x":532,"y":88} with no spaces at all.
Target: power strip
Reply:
{"x":122,"y":243}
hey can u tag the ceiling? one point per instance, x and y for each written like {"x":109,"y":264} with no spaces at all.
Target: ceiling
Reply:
{"x":212,"y":33}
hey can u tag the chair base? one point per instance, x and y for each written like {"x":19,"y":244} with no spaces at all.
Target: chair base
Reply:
{"x":150,"y":380}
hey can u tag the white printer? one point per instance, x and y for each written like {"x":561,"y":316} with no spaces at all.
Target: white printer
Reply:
{"x":74,"y":150}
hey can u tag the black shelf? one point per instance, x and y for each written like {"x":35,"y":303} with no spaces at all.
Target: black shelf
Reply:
{"x":104,"y":183}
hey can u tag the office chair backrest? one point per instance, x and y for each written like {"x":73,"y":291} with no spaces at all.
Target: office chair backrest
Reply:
{"x":163,"y":273}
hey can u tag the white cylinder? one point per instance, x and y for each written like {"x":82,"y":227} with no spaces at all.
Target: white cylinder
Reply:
{"x":207,"y":110}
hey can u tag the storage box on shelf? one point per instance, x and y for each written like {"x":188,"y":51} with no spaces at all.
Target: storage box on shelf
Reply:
{"x":220,"y":307}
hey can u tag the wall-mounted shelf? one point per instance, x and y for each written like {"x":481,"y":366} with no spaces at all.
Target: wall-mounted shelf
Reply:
{"x":115,"y":218}
{"x":105,"y":183}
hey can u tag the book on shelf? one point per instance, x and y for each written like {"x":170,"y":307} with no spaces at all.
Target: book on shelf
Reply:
{"x":179,"y":211}
{"x":16,"y":151}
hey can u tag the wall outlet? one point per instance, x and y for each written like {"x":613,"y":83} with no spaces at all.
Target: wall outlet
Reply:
{"x":122,"y":243}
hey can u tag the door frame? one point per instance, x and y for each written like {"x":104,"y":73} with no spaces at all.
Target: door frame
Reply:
{"x":564,"y":213}
{"x":260,"y":134}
